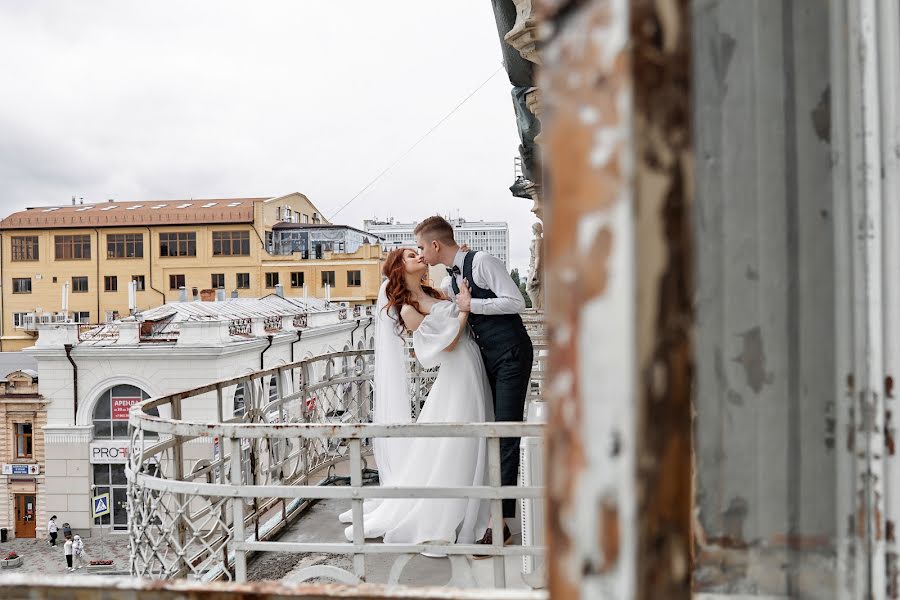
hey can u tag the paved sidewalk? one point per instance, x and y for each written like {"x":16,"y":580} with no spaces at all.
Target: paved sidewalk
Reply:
{"x":40,"y":557}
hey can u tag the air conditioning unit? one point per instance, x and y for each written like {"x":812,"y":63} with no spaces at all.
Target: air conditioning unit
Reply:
{"x":531,"y":473}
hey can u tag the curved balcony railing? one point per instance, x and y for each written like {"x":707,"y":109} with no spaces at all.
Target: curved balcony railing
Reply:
{"x":211,"y":482}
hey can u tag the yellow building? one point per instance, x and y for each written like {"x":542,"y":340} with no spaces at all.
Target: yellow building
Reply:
{"x":85,"y":256}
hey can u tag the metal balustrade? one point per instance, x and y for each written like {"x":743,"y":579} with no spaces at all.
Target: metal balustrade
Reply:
{"x":192,"y":516}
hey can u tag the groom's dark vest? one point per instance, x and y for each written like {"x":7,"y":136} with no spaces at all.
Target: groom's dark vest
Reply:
{"x":493,"y":333}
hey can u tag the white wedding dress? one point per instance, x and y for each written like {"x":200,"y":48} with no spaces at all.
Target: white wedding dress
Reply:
{"x":460,"y":394}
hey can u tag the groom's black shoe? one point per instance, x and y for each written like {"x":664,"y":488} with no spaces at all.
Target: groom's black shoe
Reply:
{"x":488,"y":539}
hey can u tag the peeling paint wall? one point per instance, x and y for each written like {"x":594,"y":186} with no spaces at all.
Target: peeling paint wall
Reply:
{"x":765,"y":428}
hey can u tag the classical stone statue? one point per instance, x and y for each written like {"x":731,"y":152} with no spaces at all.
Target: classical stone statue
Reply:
{"x":535,"y":286}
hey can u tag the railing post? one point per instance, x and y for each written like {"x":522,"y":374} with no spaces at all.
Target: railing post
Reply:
{"x":497,"y":524}
{"x":220,"y":410}
{"x":237,"y":505}
{"x":359,"y":560}
{"x":178,"y":459}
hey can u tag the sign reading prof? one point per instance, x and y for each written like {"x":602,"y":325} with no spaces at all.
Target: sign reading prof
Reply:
{"x":100,"y":505}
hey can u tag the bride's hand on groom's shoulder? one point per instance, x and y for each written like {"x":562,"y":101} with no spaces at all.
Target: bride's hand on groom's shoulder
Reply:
{"x":464,"y":297}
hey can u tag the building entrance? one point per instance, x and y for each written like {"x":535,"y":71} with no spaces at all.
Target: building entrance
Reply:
{"x":26,"y":507}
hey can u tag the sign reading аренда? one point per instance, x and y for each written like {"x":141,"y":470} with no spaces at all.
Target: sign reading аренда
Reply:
{"x":121,"y":405}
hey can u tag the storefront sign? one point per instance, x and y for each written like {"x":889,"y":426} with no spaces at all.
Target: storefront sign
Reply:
{"x":109,"y":452}
{"x":21,"y":469}
{"x":121,"y":406}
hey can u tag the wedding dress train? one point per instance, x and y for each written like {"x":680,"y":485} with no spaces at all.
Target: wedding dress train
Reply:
{"x":460,"y":394}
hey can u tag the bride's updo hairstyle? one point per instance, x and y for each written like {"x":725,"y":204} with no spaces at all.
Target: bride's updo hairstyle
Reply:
{"x":397,"y":293}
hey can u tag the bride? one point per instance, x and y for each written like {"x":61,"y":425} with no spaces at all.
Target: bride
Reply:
{"x":460,"y":394}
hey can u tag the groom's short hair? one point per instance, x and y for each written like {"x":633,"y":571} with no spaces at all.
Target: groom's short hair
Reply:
{"x":436,"y":228}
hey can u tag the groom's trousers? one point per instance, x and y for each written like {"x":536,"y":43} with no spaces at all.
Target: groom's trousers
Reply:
{"x":509,"y":372}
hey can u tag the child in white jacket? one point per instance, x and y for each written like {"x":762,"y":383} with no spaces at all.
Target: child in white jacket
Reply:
{"x":67,"y":550}
{"x":78,"y":550}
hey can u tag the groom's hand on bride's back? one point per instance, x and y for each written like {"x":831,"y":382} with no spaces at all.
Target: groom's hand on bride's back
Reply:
{"x":464,"y":297}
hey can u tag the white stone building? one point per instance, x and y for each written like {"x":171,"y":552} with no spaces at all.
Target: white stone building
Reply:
{"x":487,"y":236}
{"x":175,"y":347}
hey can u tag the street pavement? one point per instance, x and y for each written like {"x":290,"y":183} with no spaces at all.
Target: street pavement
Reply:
{"x":40,"y":557}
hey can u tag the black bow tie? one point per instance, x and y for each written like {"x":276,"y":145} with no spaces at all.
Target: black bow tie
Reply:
{"x":454,"y":270}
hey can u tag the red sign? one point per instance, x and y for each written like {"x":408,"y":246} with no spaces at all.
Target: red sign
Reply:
{"x":121,"y":406}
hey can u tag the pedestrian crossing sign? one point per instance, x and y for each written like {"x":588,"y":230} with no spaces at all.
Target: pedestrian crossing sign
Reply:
{"x":101,"y":505}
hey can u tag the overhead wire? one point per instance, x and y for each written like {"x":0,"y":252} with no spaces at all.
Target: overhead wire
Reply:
{"x":413,"y":147}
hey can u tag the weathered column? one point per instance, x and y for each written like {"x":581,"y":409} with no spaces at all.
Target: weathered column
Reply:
{"x":618,"y":265}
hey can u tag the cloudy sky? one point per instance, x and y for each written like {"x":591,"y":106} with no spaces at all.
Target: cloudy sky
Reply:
{"x":138,"y":100}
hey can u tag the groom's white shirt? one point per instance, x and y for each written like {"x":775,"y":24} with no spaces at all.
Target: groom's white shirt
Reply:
{"x":489,"y":273}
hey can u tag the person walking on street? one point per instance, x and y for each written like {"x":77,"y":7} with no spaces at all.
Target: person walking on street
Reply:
{"x":78,"y":551}
{"x":67,"y":550}
{"x":52,"y":530}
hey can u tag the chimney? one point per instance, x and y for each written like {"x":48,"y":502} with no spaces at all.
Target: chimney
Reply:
{"x":279,"y":290}
{"x":208,"y":295}
{"x":234,"y":293}
{"x":182,"y":294}
{"x":220,"y":294}
{"x":110,"y":200}
{"x":73,"y":200}
{"x":195,"y":294}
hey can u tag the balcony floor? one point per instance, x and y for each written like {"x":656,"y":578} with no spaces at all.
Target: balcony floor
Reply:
{"x":320,"y":524}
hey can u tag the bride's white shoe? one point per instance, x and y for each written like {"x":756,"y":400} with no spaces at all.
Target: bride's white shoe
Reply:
{"x":346,"y":517}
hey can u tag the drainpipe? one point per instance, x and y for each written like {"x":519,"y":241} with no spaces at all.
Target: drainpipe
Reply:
{"x":150,"y":274}
{"x":365,"y":332}
{"x":68,"y":348}
{"x":263,"y":353}
{"x":299,"y":335}
{"x":97,"y":285}
{"x":352,"y":343}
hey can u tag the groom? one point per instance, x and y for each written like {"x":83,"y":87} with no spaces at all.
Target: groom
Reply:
{"x":494,"y":308}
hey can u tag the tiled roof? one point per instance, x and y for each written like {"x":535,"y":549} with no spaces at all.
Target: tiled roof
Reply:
{"x":147,"y":212}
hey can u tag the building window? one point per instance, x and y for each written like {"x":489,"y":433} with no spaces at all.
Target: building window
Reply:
{"x":82,"y":317}
{"x":25,"y":248}
{"x":110,"y":479}
{"x":79,"y":285}
{"x":176,"y":282}
{"x":231,"y":243}
{"x":125,"y":245}
{"x":181,"y":243}
{"x":19,"y":319}
{"x":23,"y":440}
{"x":21,"y":285}
{"x":271,"y":280}
{"x":270,"y":247}
{"x":328,"y":278}
{"x":243,"y":281}
{"x":218,"y":280}
{"x":110,"y":283}
{"x":297,"y":279}
{"x":72,"y":247}
{"x":139,"y":279}
{"x":354,"y":278}
{"x":111,"y":411}
{"x":240,"y":399}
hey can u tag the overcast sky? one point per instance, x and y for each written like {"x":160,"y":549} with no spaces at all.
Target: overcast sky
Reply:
{"x":138,"y":100}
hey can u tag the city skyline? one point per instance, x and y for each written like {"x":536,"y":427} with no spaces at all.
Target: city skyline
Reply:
{"x":137,"y":102}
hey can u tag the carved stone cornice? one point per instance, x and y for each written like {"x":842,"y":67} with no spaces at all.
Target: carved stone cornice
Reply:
{"x":524,"y":35}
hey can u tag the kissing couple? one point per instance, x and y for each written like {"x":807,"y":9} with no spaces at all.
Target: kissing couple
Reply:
{"x":472,"y":329}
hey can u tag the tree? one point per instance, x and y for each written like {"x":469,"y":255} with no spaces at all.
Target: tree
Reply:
{"x":518,"y":281}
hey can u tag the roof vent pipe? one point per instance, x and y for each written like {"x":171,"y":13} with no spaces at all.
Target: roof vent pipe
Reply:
{"x":234,"y":293}
{"x":279,"y":290}
{"x":220,"y":295}
{"x":182,"y":294}
{"x":195,"y":294}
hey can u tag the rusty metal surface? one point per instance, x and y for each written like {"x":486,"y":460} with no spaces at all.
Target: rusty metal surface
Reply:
{"x":22,"y":587}
{"x":590,"y":293}
{"x":660,"y":35}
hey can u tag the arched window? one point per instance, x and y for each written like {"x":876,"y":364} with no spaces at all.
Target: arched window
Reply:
{"x":111,"y":411}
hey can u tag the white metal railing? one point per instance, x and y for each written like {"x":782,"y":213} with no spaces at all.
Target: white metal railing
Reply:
{"x":185,"y":515}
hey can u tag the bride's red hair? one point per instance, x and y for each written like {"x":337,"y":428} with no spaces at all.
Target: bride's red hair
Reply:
{"x":397,"y":293}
